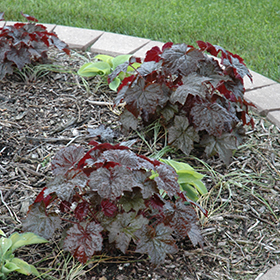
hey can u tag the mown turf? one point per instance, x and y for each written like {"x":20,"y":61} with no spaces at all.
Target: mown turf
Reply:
{"x":249,"y":28}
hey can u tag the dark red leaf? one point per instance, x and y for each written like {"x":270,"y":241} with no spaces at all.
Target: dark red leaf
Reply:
{"x":65,"y":206}
{"x":66,"y":159}
{"x":132,"y":200}
{"x":156,"y":242}
{"x":64,"y":186}
{"x":19,"y":57}
{"x":167,"y":179}
{"x":122,"y":229}
{"x":183,"y":220}
{"x":81,"y":210}
{"x":141,"y":179}
{"x":128,"y":120}
{"x":167,"y":45}
{"x":213,"y":118}
{"x":156,"y":202}
{"x":38,"y":222}
{"x":181,"y":135}
{"x":193,"y":84}
{"x":127,"y":159}
{"x":46,"y":199}
{"x":5,"y":68}
{"x":112,"y":183}
{"x":84,"y":240}
{"x":28,"y":17}
{"x":181,"y":59}
{"x":108,"y":208}
{"x":223,"y":145}
{"x":153,"y":54}
{"x":145,"y":98}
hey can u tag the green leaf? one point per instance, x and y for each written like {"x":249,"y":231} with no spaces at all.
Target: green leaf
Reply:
{"x":120,"y":59}
{"x":5,"y":245}
{"x":9,"y":267}
{"x":22,"y":266}
{"x":94,"y":68}
{"x":105,"y":58}
{"x":189,"y":179}
{"x":115,"y":84}
{"x":2,"y":232}
{"x":24,"y":239}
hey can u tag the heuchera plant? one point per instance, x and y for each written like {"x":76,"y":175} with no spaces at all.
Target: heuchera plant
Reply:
{"x":196,"y":97}
{"x":114,"y":194}
{"x":22,"y":43}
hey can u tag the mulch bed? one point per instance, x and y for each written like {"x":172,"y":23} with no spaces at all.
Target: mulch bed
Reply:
{"x":43,"y":113}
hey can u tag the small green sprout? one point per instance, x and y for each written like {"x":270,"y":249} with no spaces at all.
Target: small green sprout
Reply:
{"x":188,"y":179}
{"x":8,"y":262}
{"x":105,"y":65}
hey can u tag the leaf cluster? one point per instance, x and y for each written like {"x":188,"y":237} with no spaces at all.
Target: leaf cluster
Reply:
{"x":111,"y":193}
{"x":104,"y":65}
{"x":198,"y":98}
{"x":8,"y":262}
{"x":23,"y":43}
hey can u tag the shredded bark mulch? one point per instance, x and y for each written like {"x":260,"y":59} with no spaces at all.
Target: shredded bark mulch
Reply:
{"x":43,"y":110}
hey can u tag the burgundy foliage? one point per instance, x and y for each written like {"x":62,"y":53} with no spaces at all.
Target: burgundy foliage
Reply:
{"x":112,"y":193}
{"x":23,"y":43}
{"x":196,"y":97}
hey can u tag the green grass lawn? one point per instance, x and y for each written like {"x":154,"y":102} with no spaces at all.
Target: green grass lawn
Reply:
{"x":249,"y":28}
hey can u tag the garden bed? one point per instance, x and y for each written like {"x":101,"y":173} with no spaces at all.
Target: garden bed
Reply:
{"x":50,"y":110}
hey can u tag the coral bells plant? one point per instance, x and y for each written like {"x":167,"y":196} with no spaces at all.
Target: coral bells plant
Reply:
{"x":22,"y":43}
{"x":111,"y":194}
{"x":197,"y":98}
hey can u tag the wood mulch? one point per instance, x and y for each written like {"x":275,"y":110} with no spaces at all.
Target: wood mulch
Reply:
{"x":48,"y":111}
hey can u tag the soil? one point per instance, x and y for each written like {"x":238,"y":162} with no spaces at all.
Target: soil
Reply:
{"x":43,"y":111}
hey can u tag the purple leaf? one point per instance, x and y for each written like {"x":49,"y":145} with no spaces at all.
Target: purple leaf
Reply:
{"x":66,"y":159}
{"x":156,"y":242}
{"x":122,"y":229}
{"x":167,"y":179}
{"x":127,"y":159}
{"x":181,"y":59}
{"x":64,"y":186}
{"x":106,"y":134}
{"x":19,"y":57}
{"x":223,"y":145}
{"x":144,"y":97}
{"x":213,"y":118}
{"x":38,"y":222}
{"x":182,"y":219}
{"x":181,"y":135}
{"x":84,"y":240}
{"x":192,"y":84}
{"x":112,"y":183}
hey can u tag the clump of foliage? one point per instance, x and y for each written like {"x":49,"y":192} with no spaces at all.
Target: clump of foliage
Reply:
{"x":8,"y":262}
{"x":197,"y":98}
{"x":110,"y":193}
{"x":105,"y":65}
{"x":188,"y":179}
{"x":23,"y":43}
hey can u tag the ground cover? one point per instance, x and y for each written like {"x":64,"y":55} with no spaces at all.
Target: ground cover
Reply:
{"x":249,"y":28}
{"x":44,"y":112}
